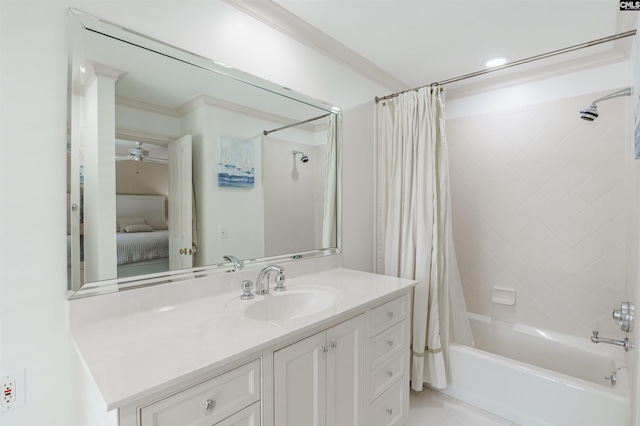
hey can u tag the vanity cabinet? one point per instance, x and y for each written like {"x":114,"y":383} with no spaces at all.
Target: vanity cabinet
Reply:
{"x":388,"y":361}
{"x":351,"y":370}
{"x":320,"y":380}
{"x":232,"y":398}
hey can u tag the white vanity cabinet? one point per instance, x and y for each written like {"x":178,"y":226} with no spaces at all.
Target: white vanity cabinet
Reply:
{"x":320,"y":380}
{"x":344,"y":366}
{"x":232,"y":398}
{"x":388,"y":362}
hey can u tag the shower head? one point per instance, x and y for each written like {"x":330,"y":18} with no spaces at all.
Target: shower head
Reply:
{"x":303,"y":157}
{"x":591,"y":112}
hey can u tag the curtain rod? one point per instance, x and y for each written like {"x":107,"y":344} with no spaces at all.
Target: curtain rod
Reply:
{"x":520,"y":62}
{"x":266,"y":132}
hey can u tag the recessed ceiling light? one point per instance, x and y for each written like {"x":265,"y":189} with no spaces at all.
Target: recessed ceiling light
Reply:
{"x":496,"y":62}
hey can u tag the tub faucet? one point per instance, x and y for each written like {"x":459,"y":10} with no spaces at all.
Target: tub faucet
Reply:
{"x":262,"y":282}
{"x":237,"y":263}
{"x":626,"y":344}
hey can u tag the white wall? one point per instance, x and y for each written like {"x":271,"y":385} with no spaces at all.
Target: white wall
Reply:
{"x":32,"y":276}
{"x":632,"y":261}
{"x":291,"y":212}
{"x":357,"y":187}
{"x":538,"y":206}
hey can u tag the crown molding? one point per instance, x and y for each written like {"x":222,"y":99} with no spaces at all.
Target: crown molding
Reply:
{"x":202,"y":100}
{"x":145,"y":106}
{"x":287,"y":23}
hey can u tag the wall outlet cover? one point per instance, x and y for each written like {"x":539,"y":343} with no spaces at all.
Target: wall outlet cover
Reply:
{"x":12,"y":386}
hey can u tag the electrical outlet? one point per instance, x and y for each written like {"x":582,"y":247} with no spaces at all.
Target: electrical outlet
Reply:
{"x":12,"y":387}
{"x":8,"y":391}
{"x":224,"y":232}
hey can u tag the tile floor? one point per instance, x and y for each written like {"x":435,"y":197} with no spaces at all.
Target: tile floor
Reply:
{"x":432,"y":408}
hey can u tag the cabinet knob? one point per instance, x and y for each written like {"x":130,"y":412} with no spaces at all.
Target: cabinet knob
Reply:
{"x":390,"y":373}
{"x":389,"y":411}
{"x":390,"y":342}
{"x":390,"y":314}
{"x":333,"y":344}
{"x":324,"y":349}
{"x":210,"y":404}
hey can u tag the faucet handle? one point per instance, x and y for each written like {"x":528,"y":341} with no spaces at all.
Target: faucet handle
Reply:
{"x":280,"y":282}
{"x":247,"y":286}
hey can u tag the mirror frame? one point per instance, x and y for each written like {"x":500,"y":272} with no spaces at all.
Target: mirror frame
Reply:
{"x":78,"y":23}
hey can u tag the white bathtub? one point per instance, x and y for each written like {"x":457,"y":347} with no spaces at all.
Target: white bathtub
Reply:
{"x":535,"y":377}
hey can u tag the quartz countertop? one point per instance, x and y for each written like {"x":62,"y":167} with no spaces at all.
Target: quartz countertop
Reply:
{"x":138,"y":355}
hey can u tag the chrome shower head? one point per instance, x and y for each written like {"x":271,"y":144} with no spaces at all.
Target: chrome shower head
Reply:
{"x":590,"y":113}
{"x":303,"y":157}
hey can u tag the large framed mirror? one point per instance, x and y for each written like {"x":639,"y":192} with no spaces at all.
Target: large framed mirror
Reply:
{"x":180,"y":167}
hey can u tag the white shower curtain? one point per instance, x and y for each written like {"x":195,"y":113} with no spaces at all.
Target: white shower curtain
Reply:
{"x":331,"y":197}
{"x":413,"y":237}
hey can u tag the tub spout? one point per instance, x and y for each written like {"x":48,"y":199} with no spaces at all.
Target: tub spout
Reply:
{"x":626,"y":344}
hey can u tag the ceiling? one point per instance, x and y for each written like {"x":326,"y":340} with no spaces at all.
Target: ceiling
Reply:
{"x":403,"y":44}
{"x":346,"y":52}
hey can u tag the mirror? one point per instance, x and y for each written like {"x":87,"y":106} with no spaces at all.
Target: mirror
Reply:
{"x":180,"y":167}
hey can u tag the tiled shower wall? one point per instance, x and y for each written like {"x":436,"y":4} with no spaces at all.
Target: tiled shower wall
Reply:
{"x":538,"y":205}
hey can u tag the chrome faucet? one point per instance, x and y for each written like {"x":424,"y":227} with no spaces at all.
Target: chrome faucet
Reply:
{"x":237,"y":263}
{"x":262,"y":282}
{"x":626,"y":344}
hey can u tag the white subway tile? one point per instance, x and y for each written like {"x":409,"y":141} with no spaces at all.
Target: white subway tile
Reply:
{"x":536,"y":232}
{"x":553,"y":219}
{"x":571,"y":204}
{"x":521,"y":191}
{"x":536,"y":204}
{"x":571,"y":233}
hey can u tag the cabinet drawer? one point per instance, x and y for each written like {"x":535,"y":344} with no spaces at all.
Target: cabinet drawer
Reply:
{"x":389,"y":408}
{"x":250,"y":416}
{"x":229,"y":393}
{"x":387,"y":342}
{"x":386,"y":315}
{"x":383,"y":376}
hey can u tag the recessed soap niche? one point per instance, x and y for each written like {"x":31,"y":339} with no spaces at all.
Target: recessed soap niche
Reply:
{"x":504,"y":296}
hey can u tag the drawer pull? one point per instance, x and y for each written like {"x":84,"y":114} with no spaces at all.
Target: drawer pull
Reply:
{"x":390,"y":315}
{"x":390,"y":373}
{"x":389,"y":411}
{"x":390,"y":342}
{"x":210,"y":404}
{"x":333,"y":344}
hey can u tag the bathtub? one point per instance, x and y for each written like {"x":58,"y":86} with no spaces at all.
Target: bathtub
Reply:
{"x":536,"y":377}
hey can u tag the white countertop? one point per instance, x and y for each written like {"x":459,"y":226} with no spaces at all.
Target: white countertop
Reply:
{"x":137,"y":355}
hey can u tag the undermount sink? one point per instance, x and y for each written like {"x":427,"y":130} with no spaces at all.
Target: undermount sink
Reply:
{"x":294,"y":303}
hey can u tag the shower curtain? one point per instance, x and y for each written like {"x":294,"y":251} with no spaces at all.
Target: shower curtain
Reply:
{"x":414,"y":237}
{"x":331,"y":196}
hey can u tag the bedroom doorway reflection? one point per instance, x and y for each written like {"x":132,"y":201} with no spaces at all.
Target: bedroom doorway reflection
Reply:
{"x":154,"y":222}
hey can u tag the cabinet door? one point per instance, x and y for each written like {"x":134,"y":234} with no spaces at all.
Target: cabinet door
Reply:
{"x":345,"y":373}
{"x":299,"y":383}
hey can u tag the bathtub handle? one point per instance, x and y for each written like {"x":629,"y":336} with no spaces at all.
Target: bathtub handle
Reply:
{"x":613,"y":378}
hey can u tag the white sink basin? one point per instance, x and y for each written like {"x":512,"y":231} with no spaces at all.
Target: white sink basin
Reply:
{"x":294,"y":303}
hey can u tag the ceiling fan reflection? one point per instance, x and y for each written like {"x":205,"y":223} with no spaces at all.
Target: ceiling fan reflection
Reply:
{"x":139,"y":154}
